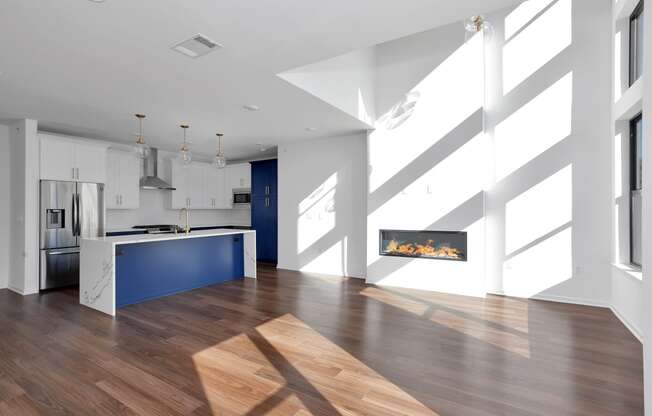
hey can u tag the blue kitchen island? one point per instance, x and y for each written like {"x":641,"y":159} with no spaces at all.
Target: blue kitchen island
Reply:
{"x":123,"y":270}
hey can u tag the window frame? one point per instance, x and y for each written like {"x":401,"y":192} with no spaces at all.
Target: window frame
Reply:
{"x":633,"y":43}
{"x":633,"y":183}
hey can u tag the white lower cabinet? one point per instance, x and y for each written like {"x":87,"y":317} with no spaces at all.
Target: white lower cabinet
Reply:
{"x":123,"y":181}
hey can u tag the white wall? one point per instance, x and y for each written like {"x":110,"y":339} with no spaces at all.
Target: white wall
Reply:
{"x":427,"y":157}
{"x":540,"y":177}
{"x":627,"y":286}
{"x":546,"y":115}
{"x":548,"y":112}
{"x":154,"y":208}
{"x":5,"y":205}
{"x":24,"y":220}
{"x":321,"y":206}
{"x":346,"y":82}
{"x":646,"y":293}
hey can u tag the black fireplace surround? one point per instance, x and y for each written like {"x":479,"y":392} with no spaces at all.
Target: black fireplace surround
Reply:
{"x":425,"y":244}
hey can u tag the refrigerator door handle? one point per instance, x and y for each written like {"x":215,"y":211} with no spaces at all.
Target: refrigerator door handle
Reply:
{"x":62,"y":252}
{"x":74,"y":215}
{"x":78,"y":225}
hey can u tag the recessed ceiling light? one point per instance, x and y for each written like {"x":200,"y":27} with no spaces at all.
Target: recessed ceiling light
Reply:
{"x":97,"y":1}
{"x":196,"y":46}
{"x":311,"y":129}
{"x":251,"y":107}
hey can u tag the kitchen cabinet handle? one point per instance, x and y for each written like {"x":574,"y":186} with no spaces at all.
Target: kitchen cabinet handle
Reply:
{"x":120,"y":199}
{"x":266,"y":202}
{"x":267,"y":190}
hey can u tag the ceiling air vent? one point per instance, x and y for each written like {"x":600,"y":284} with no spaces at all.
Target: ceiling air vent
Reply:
{"x":196,"y":46}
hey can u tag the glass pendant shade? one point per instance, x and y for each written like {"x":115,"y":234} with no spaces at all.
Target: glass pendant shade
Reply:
{"x":220,"y":160}
{"x":477,"y":24}
{"x":141,"y":149}
{"x":185,"y":155}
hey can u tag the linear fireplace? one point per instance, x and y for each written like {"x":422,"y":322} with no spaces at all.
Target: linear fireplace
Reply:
{"x":437,"y":245}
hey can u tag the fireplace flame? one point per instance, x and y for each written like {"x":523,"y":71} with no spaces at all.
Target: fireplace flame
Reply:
{"x":423,"y":250}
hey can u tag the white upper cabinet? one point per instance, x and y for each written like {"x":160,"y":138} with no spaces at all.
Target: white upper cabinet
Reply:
{"x":57,"y":159}
{"x":238,"y":176}
{"x":189,"y":184}
{"x":214,"y":180}
{"x":64,"y":159}
{"x":202,"y":186}
{"x":123,"y":181}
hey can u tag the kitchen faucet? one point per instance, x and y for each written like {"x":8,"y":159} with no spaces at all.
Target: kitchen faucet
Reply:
{"x":187,"y":227}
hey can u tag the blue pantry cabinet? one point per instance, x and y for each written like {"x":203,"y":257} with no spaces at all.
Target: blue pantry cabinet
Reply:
{"x":264,"y":209}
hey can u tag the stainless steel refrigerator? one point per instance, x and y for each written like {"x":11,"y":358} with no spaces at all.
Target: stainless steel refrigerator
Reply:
{"x":70,"y":211}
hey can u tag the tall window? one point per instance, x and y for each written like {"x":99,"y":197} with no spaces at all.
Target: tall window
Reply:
{"x":636,"y":44}
{"x":636,"y":185}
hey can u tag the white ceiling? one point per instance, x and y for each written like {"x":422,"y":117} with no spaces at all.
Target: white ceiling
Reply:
{"x":84,"y":68}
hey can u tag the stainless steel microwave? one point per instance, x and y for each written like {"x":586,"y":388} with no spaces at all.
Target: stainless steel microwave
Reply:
{"x":241,"y":196}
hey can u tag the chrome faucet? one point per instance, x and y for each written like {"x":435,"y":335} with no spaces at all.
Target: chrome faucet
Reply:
{"x":186,"y":229}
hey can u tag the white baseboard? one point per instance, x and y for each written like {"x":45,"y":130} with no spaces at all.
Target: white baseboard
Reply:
{"x":558,"y":299}
{"x":292,"y":269}
{"x":588,"y":302}
{"x":572,"y":300}
{"x":16,"y":290}
{"x":631,"y":327}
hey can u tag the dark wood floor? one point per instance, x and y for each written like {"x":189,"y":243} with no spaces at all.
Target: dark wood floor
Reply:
{"x":289,"y":344}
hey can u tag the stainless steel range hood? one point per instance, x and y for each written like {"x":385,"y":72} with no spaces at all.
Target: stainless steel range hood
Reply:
{"x":150,"y":180}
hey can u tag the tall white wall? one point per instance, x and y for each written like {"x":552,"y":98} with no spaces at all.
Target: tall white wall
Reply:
{"x":23,"y":224}
{"x":627,"y":295}
{"x":427,"y":157}
{"x":533,"y":192}
{"x":548,"y":107}
{"x":5,"y":205}
{"x":646,"y":294}
{"x":321,"y":206}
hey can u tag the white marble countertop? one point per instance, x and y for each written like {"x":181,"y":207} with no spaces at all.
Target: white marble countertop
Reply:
{"x":136,"y":230}
{"x":146,"y":238}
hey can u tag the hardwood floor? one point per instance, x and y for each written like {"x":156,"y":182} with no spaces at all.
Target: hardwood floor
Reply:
{"x":289,"y":344}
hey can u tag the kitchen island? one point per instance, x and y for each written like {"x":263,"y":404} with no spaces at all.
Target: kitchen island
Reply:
{"x":123,"y":270}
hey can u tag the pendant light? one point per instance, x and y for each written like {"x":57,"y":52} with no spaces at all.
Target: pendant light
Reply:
{"x":185,"y":156}
{"x":220,"y":160}
{"x":476,"y":24}
{"x":141,"y":148}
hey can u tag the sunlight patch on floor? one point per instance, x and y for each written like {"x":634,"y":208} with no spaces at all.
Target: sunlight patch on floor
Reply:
{"x":283,"y":366}
{"x":485,"y":322}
